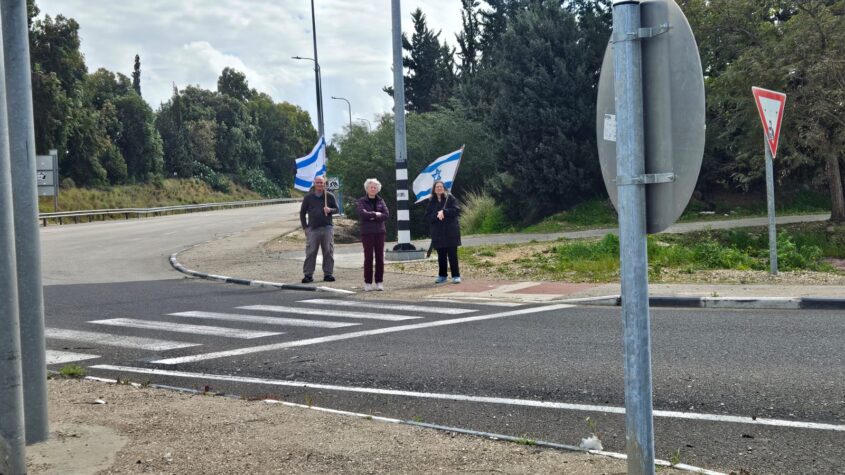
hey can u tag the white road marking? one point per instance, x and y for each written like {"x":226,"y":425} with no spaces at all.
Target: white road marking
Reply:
{"x":182,"y":328}
{"x":347,"y":336}
{"x":328,"y":313}
{"x":477,"y":301}
{"x":479,"y":399}
{"x":56,"y":357}
{"x":107,"y":339}
{"x":296,"y":322}
{"x":390,"y":306}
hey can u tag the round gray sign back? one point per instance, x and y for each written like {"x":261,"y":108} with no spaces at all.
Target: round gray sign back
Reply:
{"x":673,"y":104}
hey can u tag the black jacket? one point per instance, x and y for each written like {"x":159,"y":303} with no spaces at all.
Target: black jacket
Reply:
{"x":312,"y":208}
{"x":446,"y":233}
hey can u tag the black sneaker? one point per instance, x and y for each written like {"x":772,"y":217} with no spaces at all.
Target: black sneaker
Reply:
{"x":329,"y":278}
{"x":307,"y":279}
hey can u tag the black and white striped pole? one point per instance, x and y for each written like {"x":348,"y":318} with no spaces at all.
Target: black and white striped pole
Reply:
{"x":403,"y":250}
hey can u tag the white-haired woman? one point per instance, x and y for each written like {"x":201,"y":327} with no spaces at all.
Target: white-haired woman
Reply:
{"x":372,"y":213}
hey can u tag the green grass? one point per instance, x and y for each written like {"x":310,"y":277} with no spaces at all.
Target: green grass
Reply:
{"x":800,"y":247}
{"x":72,"y":371}
{"x":170,"y":192}
{"x":589,"y":215}
{"x":481,"y":215}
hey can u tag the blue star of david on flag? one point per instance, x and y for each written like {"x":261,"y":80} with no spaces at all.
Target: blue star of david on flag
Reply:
{"x":444,"y":168}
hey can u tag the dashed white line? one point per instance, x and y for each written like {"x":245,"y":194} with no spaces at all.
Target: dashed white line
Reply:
{"x":182,"y":328}
{"x":347,"y":336}
{"x":480,"y":399}
{"x":390,"y":306}
{"x":57,"y":357}
{"x":328,"y":313}
{"x":108,"y":339}
{"x":296,"y":322}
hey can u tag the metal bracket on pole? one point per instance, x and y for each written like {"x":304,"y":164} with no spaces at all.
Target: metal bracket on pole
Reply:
{"x":648,"y":179}
{"x":641,"y":33}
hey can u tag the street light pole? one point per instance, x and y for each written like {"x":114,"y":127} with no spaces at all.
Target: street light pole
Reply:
{"x":319,"y":93}
{"x":349,"y":106}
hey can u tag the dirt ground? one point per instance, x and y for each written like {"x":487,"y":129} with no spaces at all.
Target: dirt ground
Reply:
{"x":146,"y":430}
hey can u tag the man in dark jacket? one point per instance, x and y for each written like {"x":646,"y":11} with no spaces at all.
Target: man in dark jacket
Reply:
{"x":318,"y":207}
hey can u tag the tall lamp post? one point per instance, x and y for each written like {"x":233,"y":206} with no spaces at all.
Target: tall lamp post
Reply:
{"x":349,"y":106}
{"x":369,"y":126}
{"x":317,"y":79}
{"x":320,"y":128}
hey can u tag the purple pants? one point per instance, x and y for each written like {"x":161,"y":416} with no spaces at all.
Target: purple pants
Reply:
{"x":373,"y":244}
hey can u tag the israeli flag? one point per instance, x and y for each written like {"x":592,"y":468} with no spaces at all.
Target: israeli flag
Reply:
{"x":444,"y":168}
{"x":310,"y":166}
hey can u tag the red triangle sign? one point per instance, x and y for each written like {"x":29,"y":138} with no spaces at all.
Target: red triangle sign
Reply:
{"x":770,"y":104}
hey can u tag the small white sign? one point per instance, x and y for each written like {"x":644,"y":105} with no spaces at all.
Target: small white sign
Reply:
{"x":333,"y":183}
{"x":610,"y":127}
{"x":402,"y":195}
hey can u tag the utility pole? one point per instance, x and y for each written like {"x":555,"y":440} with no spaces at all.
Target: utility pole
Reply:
{"x":403,"y":250}
{"x":12,"y":434}
{"x":21,"y":130}
{"x":317,"y":76}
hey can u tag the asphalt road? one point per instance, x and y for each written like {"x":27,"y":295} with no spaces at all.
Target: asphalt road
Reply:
{"x":138,"y":249}
{"x":531,"y":371}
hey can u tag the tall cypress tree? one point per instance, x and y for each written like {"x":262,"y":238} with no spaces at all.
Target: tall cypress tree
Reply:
{"x":136,"y":75}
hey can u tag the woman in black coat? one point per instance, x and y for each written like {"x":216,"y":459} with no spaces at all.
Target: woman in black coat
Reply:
{"x":442,"y":215}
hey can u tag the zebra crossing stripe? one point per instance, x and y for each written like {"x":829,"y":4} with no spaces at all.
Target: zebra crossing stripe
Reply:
{"x":296,"y":322}
{"x":358,"y":334}
{"x":59,"y":357}
{"x":389,"y":306}
{"x":107,"y":339}
{"x":327,"y":313}
{"x":182,"y":328}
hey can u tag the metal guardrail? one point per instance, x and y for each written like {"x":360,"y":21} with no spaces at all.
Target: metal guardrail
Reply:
{"x":127,"y":213}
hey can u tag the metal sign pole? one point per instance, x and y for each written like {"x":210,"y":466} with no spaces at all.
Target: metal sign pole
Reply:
{"x":18,"y":89}
{"x":12,"y":434}
{"x":770,"y":203}
{"x":55,"y":154}
{"x":630,"y":166}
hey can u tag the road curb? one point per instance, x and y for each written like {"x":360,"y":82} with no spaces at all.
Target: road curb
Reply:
{"x":174,"y":262}
{"x":770,"y":303}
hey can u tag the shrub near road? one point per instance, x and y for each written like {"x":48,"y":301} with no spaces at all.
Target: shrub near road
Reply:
{"x":805,"y":248}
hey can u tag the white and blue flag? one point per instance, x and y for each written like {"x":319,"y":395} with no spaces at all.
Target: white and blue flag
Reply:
{"x":310,"y":166}
{"x":444,"y":168}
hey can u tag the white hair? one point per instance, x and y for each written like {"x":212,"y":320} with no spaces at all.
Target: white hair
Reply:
{"x":371,"y":181}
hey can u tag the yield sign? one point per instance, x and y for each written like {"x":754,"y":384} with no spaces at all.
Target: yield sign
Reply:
{"x":770,"y":105}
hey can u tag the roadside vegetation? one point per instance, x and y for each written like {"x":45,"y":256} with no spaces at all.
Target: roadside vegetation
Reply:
{"x":672,"y":257}
{"x":164,"y":193}
{"x":481,"y":215}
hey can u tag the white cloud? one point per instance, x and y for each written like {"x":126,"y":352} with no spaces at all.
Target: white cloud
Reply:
{"x":191,"y":41}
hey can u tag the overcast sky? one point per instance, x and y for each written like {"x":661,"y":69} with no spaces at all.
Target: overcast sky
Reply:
{"x":189,"y":42}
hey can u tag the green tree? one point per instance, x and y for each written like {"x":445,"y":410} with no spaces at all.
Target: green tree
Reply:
{"x":233,"y":83}
{"x":431,"y":77}
{"x":136,"y":75}
{"x":544,"y":114}
{"x":790,"y":46}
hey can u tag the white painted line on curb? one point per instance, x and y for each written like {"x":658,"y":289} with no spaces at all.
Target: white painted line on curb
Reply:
{"x":57,"y":357}
{"x":182,"y":328}
{"x":347,"y":336}
{"x":236,"y":317}
{"x":328,"y":313}
{"x":479,"y":399}
{"x":390,"y":306}
{"x":108,"y":339}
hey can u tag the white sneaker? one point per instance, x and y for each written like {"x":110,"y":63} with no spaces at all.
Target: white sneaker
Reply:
{"x":379,"y":286}
{"x":368,"y":287}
